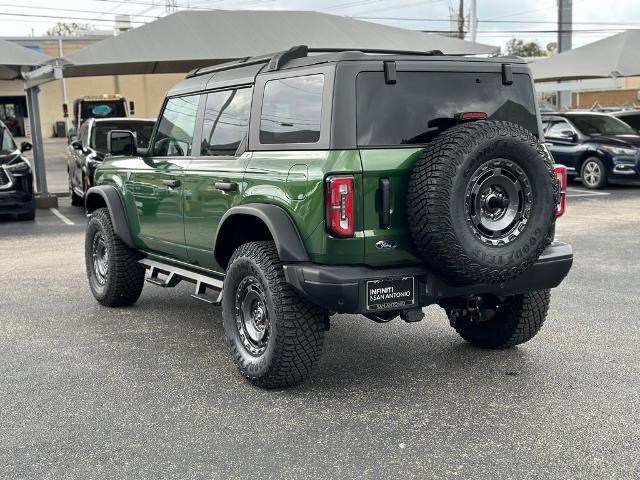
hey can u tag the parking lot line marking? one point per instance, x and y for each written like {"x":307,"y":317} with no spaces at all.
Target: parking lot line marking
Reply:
{"x":61,"y":216}
{"x":576,"y":192}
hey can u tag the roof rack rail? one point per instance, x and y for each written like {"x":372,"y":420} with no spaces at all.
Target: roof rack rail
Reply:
{"x":377,"y":50}
{"x":279,"y":59}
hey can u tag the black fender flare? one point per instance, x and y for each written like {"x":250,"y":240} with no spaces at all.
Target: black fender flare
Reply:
{"x":283,"y":231}
{"x":109,"y":196}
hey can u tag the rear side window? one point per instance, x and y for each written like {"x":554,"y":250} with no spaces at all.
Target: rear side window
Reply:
{"x":174,"y":136}
{"x":226,"y":120}
{"x":420,"y":104}
{"x":632,"y":120}
{"x":292,"y":110}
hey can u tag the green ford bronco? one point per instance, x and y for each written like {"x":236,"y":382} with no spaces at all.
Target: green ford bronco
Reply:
{"x":293,"y":186}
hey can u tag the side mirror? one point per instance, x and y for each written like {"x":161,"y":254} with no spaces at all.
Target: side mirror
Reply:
{"x":25,"y":147}
{"x":122,"y":142}
{"x":77,"y":145}
{"x":569,"y":135}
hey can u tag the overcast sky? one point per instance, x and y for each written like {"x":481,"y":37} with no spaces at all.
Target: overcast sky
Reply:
{"x":499,"y":20}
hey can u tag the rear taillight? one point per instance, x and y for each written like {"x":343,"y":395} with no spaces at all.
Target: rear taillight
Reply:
{"x":560,"y":172}
{"x":340,"y":206}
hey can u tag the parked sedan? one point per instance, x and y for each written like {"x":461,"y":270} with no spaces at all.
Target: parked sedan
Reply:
{"x":88,"y":149}
{"x":596,"y":146}
{"x":16,"y":178}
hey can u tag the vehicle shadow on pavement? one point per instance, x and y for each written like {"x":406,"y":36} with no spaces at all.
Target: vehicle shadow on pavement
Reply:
{"x":358,"y":354}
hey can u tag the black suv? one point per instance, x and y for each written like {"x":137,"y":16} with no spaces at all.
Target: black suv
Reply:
{"x":595,"y":146}
{"x":16,"y":178}
{"x":88,"y":150}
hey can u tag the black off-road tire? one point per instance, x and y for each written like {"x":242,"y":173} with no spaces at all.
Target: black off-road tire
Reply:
{"x":122,"y":284}
{"x":295,"y":326}
{"x":512,"y":324}
{"x":438,"y":202}
{"x":76,"y":200}
{"x":31,"y":214}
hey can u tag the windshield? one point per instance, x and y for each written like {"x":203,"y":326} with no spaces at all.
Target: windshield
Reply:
{"x":596,"y":125}
{"x":142,"y":131}
{"x":7,"y":144}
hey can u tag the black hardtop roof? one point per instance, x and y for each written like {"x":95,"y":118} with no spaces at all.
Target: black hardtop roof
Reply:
{"x":244,"y":70}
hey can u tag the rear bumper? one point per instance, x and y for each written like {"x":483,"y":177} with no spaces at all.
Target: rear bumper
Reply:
{"x":342,"y":289}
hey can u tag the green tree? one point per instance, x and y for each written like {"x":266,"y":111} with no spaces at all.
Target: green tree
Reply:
{"x":65,"y":29}
{"x":522,"y":48}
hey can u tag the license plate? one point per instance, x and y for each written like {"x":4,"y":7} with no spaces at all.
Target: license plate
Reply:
{"x":390,"y":293}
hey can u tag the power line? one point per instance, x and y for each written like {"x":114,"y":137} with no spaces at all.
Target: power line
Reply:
{"x":74,"y":10}
{"x":490,"y":21}
{"x":84,"y":19}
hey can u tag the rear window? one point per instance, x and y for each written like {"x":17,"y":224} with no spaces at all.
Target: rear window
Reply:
{"x":102,"y":109}
{"x":420,"y":104}
{"x":292,"y":110}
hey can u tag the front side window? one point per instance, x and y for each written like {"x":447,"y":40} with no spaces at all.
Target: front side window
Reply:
{"x":174,"y":136}
{"x":226,"y":121}
{"x":292,"y":110}
{"x":82,"y":136}
{"x":7,"y":144}
{"x":556,"y":130}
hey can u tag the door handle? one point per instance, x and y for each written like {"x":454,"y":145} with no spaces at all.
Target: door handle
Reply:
{"x":226,"y":186}
{"x":172,"y":183}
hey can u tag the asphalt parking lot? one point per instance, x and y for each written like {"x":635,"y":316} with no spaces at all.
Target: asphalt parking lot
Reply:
{"x":151,"y":392}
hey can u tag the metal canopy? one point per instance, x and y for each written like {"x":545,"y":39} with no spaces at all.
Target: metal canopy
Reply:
{"x":615,"y":56}
{"x":189,"y":39}
{"x":14,"y":58}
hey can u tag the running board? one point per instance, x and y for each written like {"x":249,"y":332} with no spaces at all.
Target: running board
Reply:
{"x":208,"y":289}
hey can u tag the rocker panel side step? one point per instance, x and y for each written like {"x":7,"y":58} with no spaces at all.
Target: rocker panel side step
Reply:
{"x":208,"y":289}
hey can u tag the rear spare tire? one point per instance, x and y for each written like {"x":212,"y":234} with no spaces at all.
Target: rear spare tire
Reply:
{"x":482,"y":201}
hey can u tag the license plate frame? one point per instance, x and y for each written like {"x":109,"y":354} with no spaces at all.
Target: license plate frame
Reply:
{"x":390,"y":296}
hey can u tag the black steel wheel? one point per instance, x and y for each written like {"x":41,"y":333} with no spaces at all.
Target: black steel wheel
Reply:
{"x":275,"y":336}
{"x":100,"y":258}
{"x":252,"y":317}
{"x":498,"y":201}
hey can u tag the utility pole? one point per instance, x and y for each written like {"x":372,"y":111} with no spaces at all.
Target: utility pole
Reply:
{"x":565,"y":27}
{"x":64,"y":89}
{"x":170,"y":6}
{"x":473,"y":19}
{"x":461,"y":20}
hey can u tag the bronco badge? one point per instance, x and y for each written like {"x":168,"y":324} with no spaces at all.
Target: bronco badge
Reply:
{"x":385,"y":244}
